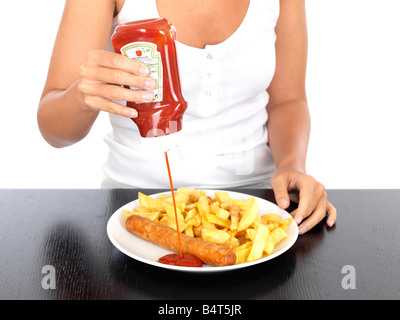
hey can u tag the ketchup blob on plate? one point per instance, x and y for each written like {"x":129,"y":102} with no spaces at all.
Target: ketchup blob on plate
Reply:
{"x":188,"y":260}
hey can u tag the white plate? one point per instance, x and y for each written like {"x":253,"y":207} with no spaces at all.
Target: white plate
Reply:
{"x":149,"y":253}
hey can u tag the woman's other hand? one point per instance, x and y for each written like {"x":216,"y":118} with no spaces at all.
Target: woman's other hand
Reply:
{"x":291,"y":183}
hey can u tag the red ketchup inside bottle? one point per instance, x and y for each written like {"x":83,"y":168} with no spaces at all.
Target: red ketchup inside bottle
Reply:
{"x":152,"y":42}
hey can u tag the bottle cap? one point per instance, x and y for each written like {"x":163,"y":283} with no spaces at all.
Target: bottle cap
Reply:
{"x":163,"y":143}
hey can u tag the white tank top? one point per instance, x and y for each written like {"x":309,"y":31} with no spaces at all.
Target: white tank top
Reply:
{"x":225,"y":85}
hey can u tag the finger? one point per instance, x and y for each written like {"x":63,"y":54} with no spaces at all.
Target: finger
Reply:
{"x":115,"y":76}
{"x":332,"y":214}
{"x":279,"y":186}
{"x":317,"y":215}
{"x":118,"y":61}
{"x":102,"y":104}
{"x":293,"y":213}
{"x":113,"y":92}
{"x":298,"y":218}
{"x":310,"y":194}
{"x":306,"y":201}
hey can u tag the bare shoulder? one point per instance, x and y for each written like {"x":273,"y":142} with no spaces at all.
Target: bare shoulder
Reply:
{"x":85,"y":26}
{"x":291,"y":52}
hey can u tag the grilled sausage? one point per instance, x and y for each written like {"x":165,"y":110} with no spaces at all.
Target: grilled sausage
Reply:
{"x":167,"y":238}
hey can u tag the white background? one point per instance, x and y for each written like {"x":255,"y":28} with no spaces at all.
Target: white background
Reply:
{"x":353,"y":85}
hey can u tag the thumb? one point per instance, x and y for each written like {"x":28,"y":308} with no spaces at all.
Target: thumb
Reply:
{"x":280,"y":188}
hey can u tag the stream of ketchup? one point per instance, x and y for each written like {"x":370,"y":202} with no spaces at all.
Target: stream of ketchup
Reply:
{"x":174,"y":201}
{"x":183,"y":260}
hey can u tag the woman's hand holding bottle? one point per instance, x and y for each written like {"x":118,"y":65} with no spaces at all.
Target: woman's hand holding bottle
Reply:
{"x":102,"y":80}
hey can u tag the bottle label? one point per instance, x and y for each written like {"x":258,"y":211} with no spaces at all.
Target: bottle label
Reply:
{"x":146,"y":52}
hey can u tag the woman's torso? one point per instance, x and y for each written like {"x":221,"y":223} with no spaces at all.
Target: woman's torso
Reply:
{"x":224,"y":77}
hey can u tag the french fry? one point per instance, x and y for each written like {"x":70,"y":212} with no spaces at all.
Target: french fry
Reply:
{"x":284,"y":227}
{"x":127,"y":213}
{"x":151,"y":215}
{"x":232,"y":243}
{"x":167,"y":221}
{"x":242,"y":252}
{"x":249,"y":216}
{"x":185,"y":190}
{"x":212,"y":218}
{"x":250,"y":233}
{"x":273,"y":238}
{"x":269,"y":246}
{"x":240,"y":203}
{"x":195,"y":196}
{"x":259,"y":241}
{"x":214,"y":206}
{"x":278,"y":235}
{"x":150,"y":203}
{"x":189,"y":206}
{"x":204,"y":208}
{"x":171,"y":213}
{"x":197,"y":231}
{"x":241,"y":255}
{"x":272,"y":226}
{"x":141,"y":209}
{"x":193,"y":218}
{"x":286,"y":221}
{"x":225,"y":205}
{"x":223,"y":196}
{"x":189,"y":230}
{"x":256,"y":222}
{"x":163,"y":196}
{"x":179,"y":198}
{"x":215,"y":236}
{"x":195,"y":221}
{"x":191,"y":214}
{"x":271,"y":217}
{"x":244,"y":245}
{"x":220,"y":213}
{"x":234,"y":212}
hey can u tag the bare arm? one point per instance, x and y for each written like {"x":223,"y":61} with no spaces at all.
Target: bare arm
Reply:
{"x":289,"y":121}
{"x":83,"y":78}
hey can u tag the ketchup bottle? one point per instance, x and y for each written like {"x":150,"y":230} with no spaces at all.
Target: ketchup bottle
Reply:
{"x":152,"y":42}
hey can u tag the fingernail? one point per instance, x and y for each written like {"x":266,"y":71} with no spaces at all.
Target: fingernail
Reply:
{"x":149,"y":83}
{"x":303,"y":230}
{"x":144,"y":71}
{"x":282,"y":203}
{"x":133,"y":114}
{"x":330,"y":223}
{"x":147,"y":96}
{"x":298,"y":220}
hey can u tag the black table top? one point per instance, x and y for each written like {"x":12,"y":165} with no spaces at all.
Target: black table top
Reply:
{"x":66,"y":229}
